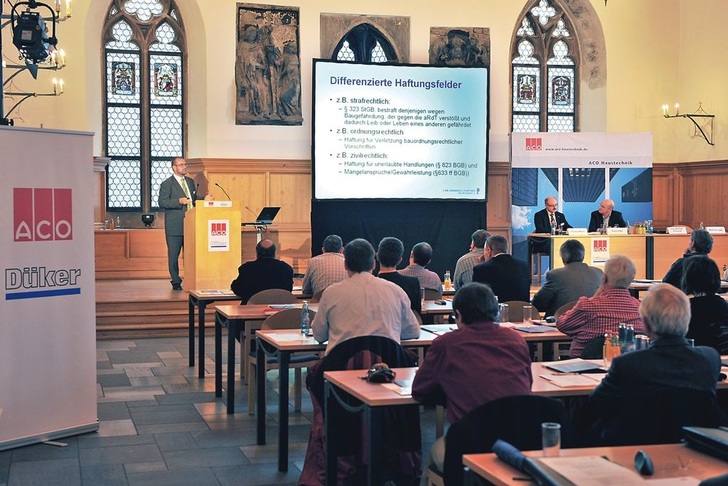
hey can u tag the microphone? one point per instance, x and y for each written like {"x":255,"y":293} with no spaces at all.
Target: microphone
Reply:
{"x":224,"y":191}
{"x":194,"y":195}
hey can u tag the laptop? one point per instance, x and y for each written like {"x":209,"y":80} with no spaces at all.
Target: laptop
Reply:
{"x":266,"y":216}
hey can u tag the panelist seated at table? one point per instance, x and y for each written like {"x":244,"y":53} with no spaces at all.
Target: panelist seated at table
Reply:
{"x":610,"y":306}
{"x":575,"y":279}
{"x":548,"y":220}
{"x":473,"y":365}
{"x":606,"y":217}
{"x":363,"y":305}
{"x":669,"y":367}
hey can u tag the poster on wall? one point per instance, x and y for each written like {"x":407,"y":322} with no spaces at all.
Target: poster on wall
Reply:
{"x":580,"y":170}
{"x":47,"y":316}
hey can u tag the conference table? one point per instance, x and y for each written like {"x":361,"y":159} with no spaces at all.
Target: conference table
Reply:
{"x":201,"y":299}
{"x":652,"y":254}
{"x":670,"y":461}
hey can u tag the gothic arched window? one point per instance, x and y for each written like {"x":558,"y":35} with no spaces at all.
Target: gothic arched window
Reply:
{"x":364,"y":43}
{"x":143,"y":99}
{"x":544,"y":67}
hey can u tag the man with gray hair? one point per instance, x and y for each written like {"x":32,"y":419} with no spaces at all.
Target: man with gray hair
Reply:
{"x":464,"y":266}
{"x":669,"y":363}
{"x":701,"y":243}
{"x":327,"y":268}
{"x":610,"y":306}
{"x":575,"y":279}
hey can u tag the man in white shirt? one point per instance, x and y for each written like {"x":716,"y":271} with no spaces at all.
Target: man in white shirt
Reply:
{"x":363,"y":305}
{"x":327,"y":268}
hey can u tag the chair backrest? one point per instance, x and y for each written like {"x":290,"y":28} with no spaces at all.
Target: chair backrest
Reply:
{"x":564,"y":308}
{"x":515,"y":419}
{"x":317,"y":296}
{"x":272,"y":296}
{"x":593,"y":348}
{"x":655,"y":417}
{"x":431,"y":294}
{"x":286,"y":319}
{"x":515,"y":310}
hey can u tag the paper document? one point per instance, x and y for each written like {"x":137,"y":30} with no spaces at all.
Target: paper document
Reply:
{"x":590,"y":470}
{"x":565,"y":380}
{"x":575,"y":365}
{"x":405,"y":391}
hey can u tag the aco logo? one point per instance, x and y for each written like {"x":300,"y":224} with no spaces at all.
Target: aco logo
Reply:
{"x":42,"y":214}
{"x":534,"y":143}
{"x":218,"y":229}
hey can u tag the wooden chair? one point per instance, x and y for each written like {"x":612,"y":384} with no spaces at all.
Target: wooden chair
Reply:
{"x":285,"y":319}
{"x":268,"y":296}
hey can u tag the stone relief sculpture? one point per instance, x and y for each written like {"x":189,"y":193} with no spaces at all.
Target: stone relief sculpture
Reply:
{"x":462,"y":46}
{"x":267,"y":66}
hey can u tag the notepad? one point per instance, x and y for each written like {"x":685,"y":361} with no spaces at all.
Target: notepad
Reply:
{"x":534,"y":328}
{"x":572,"y":380}
{"x":400,"y":390}
{"x":282,"y":306}
{"x":576,"y":365}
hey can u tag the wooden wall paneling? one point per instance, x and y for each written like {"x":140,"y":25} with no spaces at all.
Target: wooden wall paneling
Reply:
{"x":705,"y":188}
{"x":664,"y":197}
{"x":99,"y":167}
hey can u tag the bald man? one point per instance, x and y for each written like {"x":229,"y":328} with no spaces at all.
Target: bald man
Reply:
{"x":606,"y":217}
{"x":263,"y":273}
{"x":544,"y":220}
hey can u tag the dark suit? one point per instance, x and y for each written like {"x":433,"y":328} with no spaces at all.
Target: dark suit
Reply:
{"x":597,"y":221}
{"x":174,"y":215}
{"x":542,"y":223}
{"x":565,"y":284}
{"x":669,"y":364}
{"x":262,"y":274}
{"x":410,"y":285}
{"x":508,"y":277}
{"x":675,"y":273}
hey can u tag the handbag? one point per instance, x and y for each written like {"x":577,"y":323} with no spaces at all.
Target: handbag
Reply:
{"x":380,"y":373}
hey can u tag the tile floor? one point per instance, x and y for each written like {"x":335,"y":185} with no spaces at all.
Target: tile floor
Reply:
{"x":161,"y":425}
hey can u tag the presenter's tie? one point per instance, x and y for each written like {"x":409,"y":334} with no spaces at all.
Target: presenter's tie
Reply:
{"x":553,"y":220}
{"x":186,"y":190}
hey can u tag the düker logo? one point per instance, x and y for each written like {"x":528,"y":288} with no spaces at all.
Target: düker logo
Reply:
{"x":42,"y":214}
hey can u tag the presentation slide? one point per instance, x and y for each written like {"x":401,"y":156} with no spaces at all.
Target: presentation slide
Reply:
{"x":384,"y":131}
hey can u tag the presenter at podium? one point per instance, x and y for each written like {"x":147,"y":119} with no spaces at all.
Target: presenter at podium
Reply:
{"x":177,"y":194}
{"x":606,"y":217}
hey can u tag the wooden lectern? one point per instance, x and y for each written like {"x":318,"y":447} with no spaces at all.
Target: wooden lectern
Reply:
{"x":212,"y":245}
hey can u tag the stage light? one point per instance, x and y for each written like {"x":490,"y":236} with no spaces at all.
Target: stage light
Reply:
{"x":148,"y":219}
{"x":30,"y":33}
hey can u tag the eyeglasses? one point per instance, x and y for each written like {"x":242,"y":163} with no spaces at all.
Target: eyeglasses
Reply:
{"x":180,"y":165}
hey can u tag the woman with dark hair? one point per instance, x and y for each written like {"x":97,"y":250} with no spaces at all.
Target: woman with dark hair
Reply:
{"x":708,"y":311}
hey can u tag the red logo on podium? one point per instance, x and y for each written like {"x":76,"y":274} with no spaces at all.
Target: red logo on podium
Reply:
{"x":219,"y":228}
{"x":42,"y":214}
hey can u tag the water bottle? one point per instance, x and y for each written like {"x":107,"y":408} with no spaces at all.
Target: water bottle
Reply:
{"x":622,"y":334}
{"x":629,"y":340}
{"x":118,"y":222}
{"x":701,"y":226}
{"x":448,"y":281}
{"x":305,"y":318}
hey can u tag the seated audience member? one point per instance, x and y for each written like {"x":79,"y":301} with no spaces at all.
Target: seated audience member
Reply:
{"x":611,"y":305}
{"x":546,"y":220}
{"x":363,"y":305}
{"x":708,"y":311}
{"x":475,"y":364}
{"x":508,"y":277}
{"x":606,"y":217}
{"x":701,"y":243}
{"x":464,"y":266}
{"x":327,"y":268}
{"x":389,"y":255}
{"x":575,"y":279}
{"x":669,"y":363}
{"x":263,"y":273}
{"x":420,"y":257}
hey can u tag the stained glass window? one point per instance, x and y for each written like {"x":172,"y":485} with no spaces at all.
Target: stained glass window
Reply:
{"x":544,"y":64}
{"x":144,"y":111}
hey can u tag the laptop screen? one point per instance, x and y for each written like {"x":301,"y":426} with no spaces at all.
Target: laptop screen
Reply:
{"x":267,"y":214}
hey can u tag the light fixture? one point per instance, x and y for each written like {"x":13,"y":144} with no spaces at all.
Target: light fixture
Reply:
{"x":148,"y":219}
{"x":706,"y":131}
{"x":30,"y":33}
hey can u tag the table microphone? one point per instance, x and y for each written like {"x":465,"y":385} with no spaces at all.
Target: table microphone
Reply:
{"x":224,"y":191}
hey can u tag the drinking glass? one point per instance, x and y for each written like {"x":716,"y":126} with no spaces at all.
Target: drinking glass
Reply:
{"x":502,"y":312}
{"x":551,"y":439}
{"x":527,"y":309}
